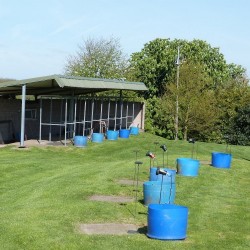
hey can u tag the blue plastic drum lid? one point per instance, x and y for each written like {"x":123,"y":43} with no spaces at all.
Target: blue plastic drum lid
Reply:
{"x":134,"y":130}
{"x":169,"y":178}
{"x":188,"y":166}
{"x":124,"y":133}
{"x":221,"y":160}
{"x":97,"y":137}
{"x":80,"y":141}
{"x":155,"y":192}
{"x":112,"y":135}
{"x":167,"y":221}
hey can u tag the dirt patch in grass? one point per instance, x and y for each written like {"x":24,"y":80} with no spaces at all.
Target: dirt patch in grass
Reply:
{"x":108,"y":228}
{"x":111,"y":198}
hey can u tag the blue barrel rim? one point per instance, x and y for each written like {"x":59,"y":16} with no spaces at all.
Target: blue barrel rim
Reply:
{"x":166,"y":206}
{"x":189,"y":159}
{"x":222,"y":153}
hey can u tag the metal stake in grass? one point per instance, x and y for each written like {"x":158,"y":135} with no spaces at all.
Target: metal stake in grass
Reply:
{"x":136,"y":154}
{"x":156,"y":143}
{"x":162,"y":172}
{"x":137,"y":167}
{"x":192,"y":140}
{"x":228,"y":150}
{"x":164,"y":148}
{"x":151,"y":156}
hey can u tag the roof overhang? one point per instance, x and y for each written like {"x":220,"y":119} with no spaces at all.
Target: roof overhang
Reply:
{"x":66,"y":85}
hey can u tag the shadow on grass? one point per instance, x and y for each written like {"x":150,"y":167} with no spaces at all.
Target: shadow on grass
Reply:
{"x":140,"y":230}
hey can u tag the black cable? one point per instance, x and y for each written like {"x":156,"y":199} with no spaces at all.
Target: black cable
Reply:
{"x":161,"y":189}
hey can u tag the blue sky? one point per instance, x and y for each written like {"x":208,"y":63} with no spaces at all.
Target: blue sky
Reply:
{"x":37,"y":36}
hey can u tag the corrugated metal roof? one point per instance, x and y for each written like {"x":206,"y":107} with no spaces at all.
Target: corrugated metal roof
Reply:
{"x":63,"y":85}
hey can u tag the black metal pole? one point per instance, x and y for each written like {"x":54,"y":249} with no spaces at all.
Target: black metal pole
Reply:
{"x":137,"y":164}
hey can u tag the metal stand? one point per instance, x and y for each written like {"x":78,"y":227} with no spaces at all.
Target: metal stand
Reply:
{"x":163,"y":172}
{"x":164,"y":148}
{"x":136,"y":153}
{"x":137,"y":168}
{"x":193,"y":142}
{"x":155,"y":143}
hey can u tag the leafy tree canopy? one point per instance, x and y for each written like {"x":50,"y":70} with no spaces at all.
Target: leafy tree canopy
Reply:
{"x":155,"y":64}
{"x":197,"y":103}
{"x":239,"y":132}
{"x":99,"y":58}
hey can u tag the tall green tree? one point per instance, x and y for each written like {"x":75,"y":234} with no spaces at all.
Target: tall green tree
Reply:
{"x":99,"y":58}
{"x":155,"y":65}
{"x":233,"y":95}
{"x":197,"y":104}
{"x":239,"y":131}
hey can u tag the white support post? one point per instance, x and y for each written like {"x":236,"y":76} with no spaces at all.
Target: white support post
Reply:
{"x":50,"y":119}
{"x":121,"y":109}
{"x":23,"y":116}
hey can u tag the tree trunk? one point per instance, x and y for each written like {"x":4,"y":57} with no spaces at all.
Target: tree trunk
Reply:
{"x":185,"y":133}
{"x":186,"y":125}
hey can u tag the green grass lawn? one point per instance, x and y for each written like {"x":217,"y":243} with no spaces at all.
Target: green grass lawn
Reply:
{"x":44,"y":195}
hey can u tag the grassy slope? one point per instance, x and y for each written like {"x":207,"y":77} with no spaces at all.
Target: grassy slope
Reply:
{"x":44,"y":196}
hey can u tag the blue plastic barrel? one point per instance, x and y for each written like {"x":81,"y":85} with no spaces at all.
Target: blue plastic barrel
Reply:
{"x":97,"y":137}
{"x":80,"y":141}
{"x":134,"y":130}
{"x":112,"y":135}
{"x":188,"y":166}
{"x":166,"y":178}
{"x":167,"y":222}
{"x":221,"y":160}
{"x":124,"y":133}
{"x":155,"y":192}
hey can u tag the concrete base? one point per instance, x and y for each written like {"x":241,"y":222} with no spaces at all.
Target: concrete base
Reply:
{"x":111,"y":198}
{"x":108,"y":228}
